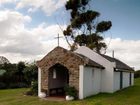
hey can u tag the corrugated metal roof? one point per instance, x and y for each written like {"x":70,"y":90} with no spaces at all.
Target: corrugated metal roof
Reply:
{"x":119,"y":64}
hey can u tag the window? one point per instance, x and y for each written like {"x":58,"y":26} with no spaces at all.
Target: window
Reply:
{"x":54,"y":73}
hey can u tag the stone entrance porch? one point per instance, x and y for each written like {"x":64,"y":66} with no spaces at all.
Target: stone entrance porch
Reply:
{"x":61,"y":62}
{"x":58,"y":78}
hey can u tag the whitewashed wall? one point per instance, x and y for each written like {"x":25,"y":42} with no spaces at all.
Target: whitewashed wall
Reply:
{"x":126,"y":79}
{"x":107,"y":81}
{"x":116,"y":81}
{"x":91,"y":82}
{"x":132,"y":79}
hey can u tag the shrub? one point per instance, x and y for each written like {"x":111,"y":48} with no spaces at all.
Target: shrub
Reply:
{"x":137,"y":74}
{"x":13,"y":85}
{"x":34,"y":89}
{"x":2,"y":85}
{"x":22,"y":85}
{"x":17,"y":85}
{"x":71,"y":91}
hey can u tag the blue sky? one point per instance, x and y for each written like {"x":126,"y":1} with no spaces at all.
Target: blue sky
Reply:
{"x":124,"y":15}
{"x":28,"y":28}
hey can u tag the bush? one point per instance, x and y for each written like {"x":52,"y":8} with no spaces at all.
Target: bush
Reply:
{"x":34,"y":89}
{"x":71,"y":91}
{"x":18,"y":85}
{"x":13,"y":85}
{"x":2,"y":85}
{"x":22,"y":85}
{"x":137,"y":74}
{"x":30,"y":73}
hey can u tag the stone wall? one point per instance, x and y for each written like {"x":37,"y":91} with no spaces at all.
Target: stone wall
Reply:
{"x":64,"y":57}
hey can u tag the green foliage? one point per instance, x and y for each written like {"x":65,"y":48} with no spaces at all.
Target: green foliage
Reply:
{"x":31,"y":73}
{"x":2,"y":71}
{"x":84,"y":19}
{"x":17,"y":85}
{"x":34,"y":89}
{"x":19,"y":72}
{"x":10,"y":68}
{"x":75,"y":4}
{"x":17,"y":75}
{"x":2,"y":85}
{"x":9,"y":75}
{"x":137,"y":74}
{"x":20,"y":67}
{"x":71,"y":91}
{"x":91,"y":41}
{"x":103,"y":26}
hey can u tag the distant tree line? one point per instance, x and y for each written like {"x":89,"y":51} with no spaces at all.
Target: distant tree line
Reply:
{"x":137,"y":74}
{"x":17,"y":75}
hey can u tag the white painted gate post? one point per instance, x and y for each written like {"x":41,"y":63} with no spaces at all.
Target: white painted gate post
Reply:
{"x":39,"y":81}
{"x":81,"y":77}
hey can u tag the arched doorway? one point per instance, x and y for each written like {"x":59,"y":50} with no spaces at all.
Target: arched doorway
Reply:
{"x":58,"y":78}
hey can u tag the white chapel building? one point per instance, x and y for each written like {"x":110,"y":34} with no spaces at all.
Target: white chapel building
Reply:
{"x":89,"y":72}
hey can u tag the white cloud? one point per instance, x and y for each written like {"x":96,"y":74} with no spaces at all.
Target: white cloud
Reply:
{"x":126,"y":50}
{"x":47,"y":36}
{"x":6,"y":1}
{"x":15,"y":38}
{"x":48,"y":32}
{"x":19,"y":43}
{"x":11,"y":21}
{"x":48,"y":6}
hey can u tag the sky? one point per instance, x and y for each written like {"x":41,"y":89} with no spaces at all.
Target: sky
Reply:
{"x":28,"y":28}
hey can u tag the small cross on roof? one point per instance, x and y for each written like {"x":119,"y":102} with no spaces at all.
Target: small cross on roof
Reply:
{"x":58,"y":37}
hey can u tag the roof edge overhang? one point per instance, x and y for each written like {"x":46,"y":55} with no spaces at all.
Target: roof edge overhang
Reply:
{"x":99,"y":67}
{"x":124,"y":70}
{"x":90,"y":63}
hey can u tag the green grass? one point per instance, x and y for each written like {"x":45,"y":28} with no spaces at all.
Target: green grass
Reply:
{"x":128,"y":96}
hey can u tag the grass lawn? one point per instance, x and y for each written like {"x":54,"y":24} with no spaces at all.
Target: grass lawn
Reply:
{"x":129,"y":96}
